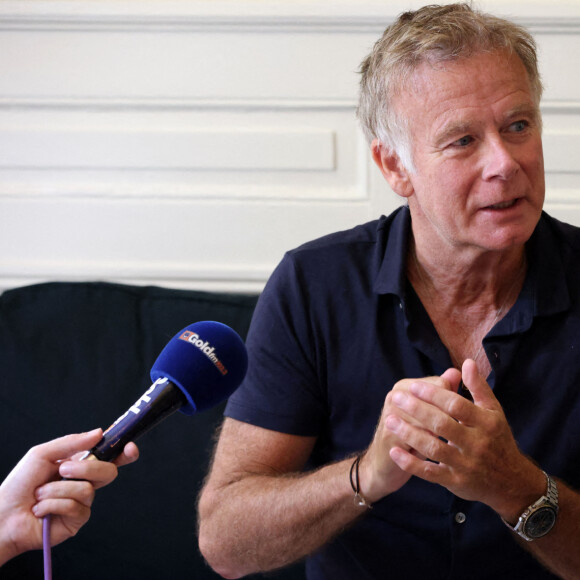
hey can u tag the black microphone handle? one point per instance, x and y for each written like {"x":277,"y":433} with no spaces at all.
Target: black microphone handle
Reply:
{"x":162,"y":399}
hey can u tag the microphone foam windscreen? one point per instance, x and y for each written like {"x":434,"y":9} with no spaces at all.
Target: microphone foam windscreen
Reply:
{"x":206,"y":360}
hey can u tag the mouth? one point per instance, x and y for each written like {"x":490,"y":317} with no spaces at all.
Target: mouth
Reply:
{"x":503,"y":204}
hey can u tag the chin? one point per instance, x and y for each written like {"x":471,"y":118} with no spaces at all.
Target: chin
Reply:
{"x":507,"y":240}
{"x":510,"y":235}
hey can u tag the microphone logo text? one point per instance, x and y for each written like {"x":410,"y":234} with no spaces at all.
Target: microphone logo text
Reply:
{"x":140,"y":404}
{"x":205,"y":347}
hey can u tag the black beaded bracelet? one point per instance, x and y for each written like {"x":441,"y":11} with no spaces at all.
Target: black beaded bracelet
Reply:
{"x":359,"y":500}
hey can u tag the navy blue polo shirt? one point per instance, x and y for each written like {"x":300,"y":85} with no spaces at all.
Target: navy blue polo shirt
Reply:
{"x":338,"y":325}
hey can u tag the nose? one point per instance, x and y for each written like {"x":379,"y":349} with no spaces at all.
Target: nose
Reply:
{"x":499,"y":162}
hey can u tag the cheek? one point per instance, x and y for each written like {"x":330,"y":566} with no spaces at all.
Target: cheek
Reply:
{"x":534,"y":170}
{"x":539,"y":172}
{"x":441,"y":202}
{"x":533,"y":161}
{"x":448,"y":188}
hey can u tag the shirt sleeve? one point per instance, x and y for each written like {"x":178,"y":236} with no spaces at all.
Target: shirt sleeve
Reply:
{"x":281,"y":391}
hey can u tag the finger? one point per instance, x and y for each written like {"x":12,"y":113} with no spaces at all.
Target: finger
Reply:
{"x":98,"y":473}
{"x":452,"y":379}
{"x":445,"y":381}
{"x":67,"y":446}
{"x":452,"y":404}
{"x":41,"y":462}
{"x":436,"y":421}
{"x":422,"y":441}
{"x":448,"y":381}
{"x":129,"y":455}
{"x":81,"y":492}
{"x":410,"y":464}
{"x":73,"y":515}
{"x":477,"y":385}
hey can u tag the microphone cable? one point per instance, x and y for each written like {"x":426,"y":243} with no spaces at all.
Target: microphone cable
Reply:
{"x":47,"y":556}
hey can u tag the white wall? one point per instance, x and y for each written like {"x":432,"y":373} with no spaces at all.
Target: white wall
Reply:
{"x":188,"y":143}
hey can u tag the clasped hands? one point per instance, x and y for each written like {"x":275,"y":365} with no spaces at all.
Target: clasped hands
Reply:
{"x":429,"y":430}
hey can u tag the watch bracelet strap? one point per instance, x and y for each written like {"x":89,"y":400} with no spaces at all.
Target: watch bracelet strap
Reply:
{"x":551,"y":495}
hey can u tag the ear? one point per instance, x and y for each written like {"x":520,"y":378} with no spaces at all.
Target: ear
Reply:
{"x":392,"y":169}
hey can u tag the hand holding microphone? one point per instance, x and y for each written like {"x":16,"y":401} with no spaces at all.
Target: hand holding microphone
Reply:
{"x":200,"y":367}
{"x":32,"y":490}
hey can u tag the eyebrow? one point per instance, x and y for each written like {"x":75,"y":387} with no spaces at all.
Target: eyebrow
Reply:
{"x":453,"y":129}
{"x":524,"y":109}
{"x":466,"y":127}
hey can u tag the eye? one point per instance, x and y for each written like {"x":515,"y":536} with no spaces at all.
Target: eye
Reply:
{"x":463,"y":141}
{"x":519,"y":126}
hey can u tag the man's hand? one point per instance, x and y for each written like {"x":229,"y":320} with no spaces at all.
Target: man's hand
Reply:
{"x":380,"y":473}
{"x":470,"y":445}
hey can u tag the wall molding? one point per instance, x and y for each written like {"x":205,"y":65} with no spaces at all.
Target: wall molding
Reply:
{"x":560,"y":107}
{"x":254,"y":16}
{"x":218,"y":104}
{"x":227,"y":277}
{"x":177,"y":104}
{"x":165,"y":191}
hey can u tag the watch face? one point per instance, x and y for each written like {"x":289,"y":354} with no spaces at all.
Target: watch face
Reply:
{"x":540,"y":522}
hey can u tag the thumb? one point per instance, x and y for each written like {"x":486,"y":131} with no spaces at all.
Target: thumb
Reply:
{"x":65,"y":447}
{"x":480,"y":391}
{"x":452,"y":377}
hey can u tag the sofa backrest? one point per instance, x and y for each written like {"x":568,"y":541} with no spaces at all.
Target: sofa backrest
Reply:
{"x":74,"y":356}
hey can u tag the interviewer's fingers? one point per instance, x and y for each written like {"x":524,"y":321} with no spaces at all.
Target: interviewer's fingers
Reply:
{"x":64,"y":497}
{"x":67,"y":517}
{"x":69,"y":445}
{"x":98,"y":473}
{"x":129,"y":455}
{"x":77,"y":514}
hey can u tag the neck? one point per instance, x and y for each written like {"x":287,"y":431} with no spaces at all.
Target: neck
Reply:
{"x":467,"y":298}
{"x":482,"y":281}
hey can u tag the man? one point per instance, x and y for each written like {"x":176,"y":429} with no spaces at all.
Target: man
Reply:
{"x":45,"y":482}
{"x":469,"y":285}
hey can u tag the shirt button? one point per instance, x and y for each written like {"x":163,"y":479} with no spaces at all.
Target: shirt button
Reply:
{"x":460,"y":517}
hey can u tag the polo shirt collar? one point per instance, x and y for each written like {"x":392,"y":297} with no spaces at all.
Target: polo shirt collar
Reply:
{"x":393,"y":241}
{"x":545,"y":289}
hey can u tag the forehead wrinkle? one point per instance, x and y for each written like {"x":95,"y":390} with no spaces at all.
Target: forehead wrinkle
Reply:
{"x":436,"y":91}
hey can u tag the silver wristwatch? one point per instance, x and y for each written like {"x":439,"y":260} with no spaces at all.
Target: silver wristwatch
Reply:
{"x":539,"y":518}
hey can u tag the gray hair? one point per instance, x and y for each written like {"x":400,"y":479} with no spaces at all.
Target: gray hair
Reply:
{"x":431,"y":34}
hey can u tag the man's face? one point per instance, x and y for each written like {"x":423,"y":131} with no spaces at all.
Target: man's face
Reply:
{"x":476,"y":142}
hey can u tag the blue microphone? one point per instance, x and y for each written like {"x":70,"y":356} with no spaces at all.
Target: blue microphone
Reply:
{"x":201,"y":366}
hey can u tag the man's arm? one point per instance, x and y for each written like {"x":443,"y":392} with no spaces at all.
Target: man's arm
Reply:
{"x":259,"y":512}
{"x":558,"y":551}
{"x":476,"y":457}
